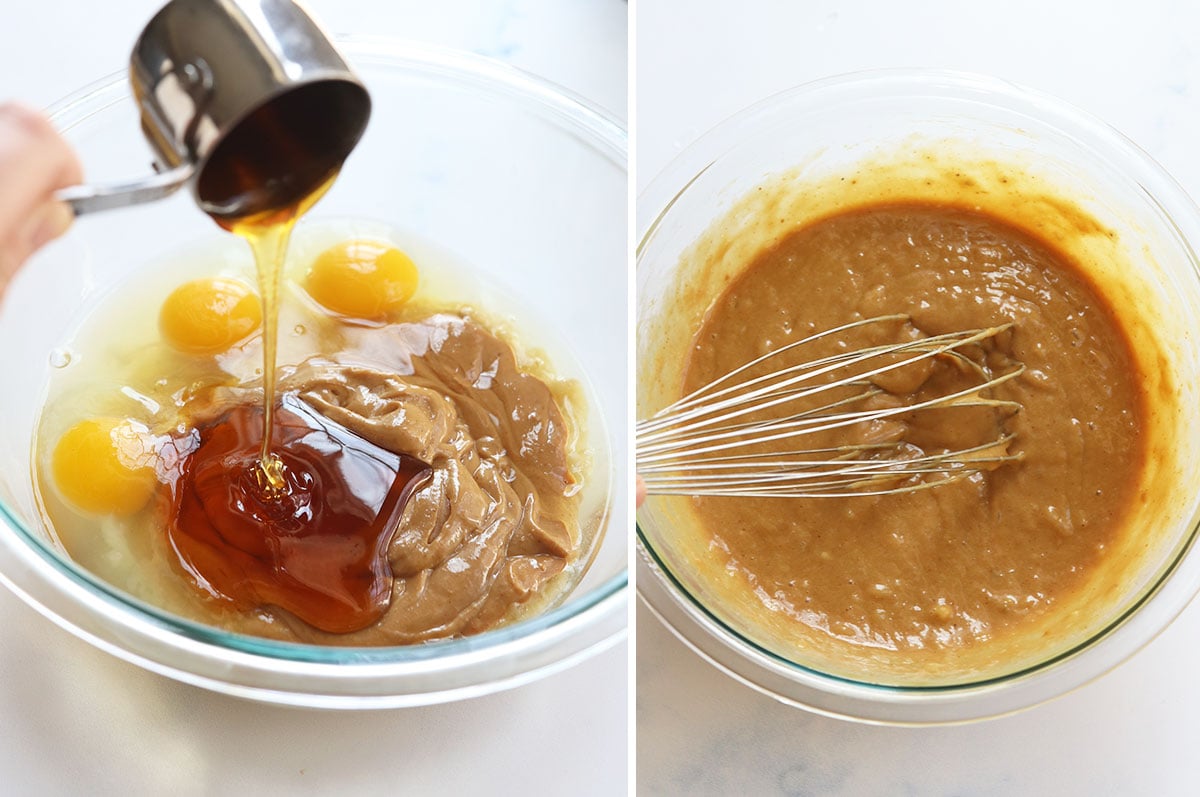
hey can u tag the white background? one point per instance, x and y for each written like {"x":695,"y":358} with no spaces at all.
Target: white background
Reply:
{"x":73,"y":720}
{"x":1135,"y":65}
{"x":76,"y":721}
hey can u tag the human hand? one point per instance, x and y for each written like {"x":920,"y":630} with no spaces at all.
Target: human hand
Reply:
{"x":34,"y":162}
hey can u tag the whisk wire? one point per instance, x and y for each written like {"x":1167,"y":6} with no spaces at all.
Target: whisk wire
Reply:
{"x":818,"y":368}
{"x":684,"y":417}
{"x":806,"y":423}
{"x":698,"y":444}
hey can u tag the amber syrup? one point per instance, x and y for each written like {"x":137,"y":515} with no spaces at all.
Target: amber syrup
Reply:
{"x":316,"y":545}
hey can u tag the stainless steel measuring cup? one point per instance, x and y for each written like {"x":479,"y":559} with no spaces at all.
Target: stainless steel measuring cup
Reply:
{"x":245,"y":100}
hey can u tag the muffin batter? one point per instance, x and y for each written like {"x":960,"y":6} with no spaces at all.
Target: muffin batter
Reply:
{"x":907,"y":581}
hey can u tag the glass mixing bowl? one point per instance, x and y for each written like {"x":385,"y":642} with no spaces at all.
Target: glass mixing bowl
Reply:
{"x":834,"y":127}
{"x":517,"y":178}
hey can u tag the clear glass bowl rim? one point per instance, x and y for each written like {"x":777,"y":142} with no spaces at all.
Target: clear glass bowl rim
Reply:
{"x":569,"y":112}
{"x":714,"y":639}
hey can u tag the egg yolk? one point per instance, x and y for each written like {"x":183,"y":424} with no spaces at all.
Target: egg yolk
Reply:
{"x":362,"y":278}
{"x":105,"y":466}
{"x":207,"y":316}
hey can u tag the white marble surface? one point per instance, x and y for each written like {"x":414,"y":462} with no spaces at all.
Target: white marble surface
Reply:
{"x":1135,"y":731}
{"x":75,"y":721}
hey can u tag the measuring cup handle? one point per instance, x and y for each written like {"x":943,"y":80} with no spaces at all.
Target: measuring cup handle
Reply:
{"x":92,"y":198}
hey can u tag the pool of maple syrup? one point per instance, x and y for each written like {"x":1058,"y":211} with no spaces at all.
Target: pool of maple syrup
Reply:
{"x":315,"y":544}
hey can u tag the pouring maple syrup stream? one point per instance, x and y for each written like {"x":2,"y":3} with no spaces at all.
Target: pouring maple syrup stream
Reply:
{"x":268,"y":235}
{"x":278,"y":505}
{"x":269,"y":172}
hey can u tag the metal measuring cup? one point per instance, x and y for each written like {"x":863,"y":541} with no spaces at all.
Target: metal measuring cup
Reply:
{"x":245,"y":100}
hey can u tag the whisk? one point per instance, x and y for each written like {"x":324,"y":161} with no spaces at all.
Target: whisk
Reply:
{"x":716,"y":440}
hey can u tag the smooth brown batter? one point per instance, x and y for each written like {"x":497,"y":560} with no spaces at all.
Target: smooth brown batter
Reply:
{"x":906,"y":581}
